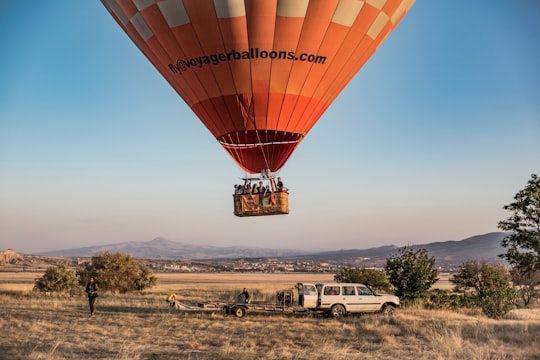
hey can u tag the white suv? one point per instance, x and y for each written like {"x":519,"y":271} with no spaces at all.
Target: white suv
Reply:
{"x":339,"y":299}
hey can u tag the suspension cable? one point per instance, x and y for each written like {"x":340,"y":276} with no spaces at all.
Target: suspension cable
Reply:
{"x":247,"y":112}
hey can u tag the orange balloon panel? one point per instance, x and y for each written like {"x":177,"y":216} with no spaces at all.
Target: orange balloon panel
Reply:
{"x":258,"y":73}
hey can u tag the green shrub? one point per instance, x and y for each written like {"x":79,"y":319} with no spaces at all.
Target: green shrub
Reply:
{"x":117,"y":272}
{"x":447,"y":299}
{"x":373,"y":278}
{"x":57,"y":279}
{"x":412,"y":273}
{"x":491,"y":284}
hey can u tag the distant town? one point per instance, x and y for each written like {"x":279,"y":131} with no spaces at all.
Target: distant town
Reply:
{"x":265,"y":265}
{"x":15,"y":262}
{"x":12,"y":261}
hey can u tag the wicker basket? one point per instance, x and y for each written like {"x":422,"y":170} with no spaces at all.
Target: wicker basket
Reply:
{"x":256,"y":205}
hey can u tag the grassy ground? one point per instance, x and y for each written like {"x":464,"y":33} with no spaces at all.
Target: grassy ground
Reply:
{"x":142,"y":326}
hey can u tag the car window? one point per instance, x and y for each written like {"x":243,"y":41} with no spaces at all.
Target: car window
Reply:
{"x":363,"y":290}
{"x":348,"y":290}
{"x":332,"y":290}
{"x":309,"y":290}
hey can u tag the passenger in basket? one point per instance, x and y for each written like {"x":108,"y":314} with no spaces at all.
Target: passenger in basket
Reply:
{"x":247,"y":186}
{"x":279,"y":185}
{"x":261,"y":187}
{"x":267,"y":196}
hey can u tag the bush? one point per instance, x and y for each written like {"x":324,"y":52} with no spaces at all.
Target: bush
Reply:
{"x":117,"y":272}
{"x":499,"y":298}
{"x":446,"y":299}
{"x":57,"y":279}
{"x":491,"y":283}
{"x":412,"y":273}
{"x":373,"y":278}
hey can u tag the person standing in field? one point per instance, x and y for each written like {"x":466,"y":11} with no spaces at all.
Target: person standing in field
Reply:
{"x":92,"y":291}
{"x":245,"y":295}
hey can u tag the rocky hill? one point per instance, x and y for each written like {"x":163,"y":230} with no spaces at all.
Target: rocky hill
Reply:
{"x":10,"y":257}
{"x":10,"y":260}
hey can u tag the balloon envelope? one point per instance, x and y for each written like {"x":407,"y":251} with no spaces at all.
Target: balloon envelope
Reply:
{"x":258,"y":73}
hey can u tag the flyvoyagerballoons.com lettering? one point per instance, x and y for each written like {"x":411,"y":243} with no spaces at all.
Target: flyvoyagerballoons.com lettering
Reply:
{"x":183,"y":65}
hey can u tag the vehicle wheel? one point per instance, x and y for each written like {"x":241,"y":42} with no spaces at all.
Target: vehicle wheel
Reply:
{"x":239,"y":311}
{"x":388,"y":310}
{"x":337,"y":311}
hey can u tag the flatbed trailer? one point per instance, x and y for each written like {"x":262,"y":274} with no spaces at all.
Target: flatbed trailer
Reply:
{"x":240,"y":309}
{"x":284,"y":303}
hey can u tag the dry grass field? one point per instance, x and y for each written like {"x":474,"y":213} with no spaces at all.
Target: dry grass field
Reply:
{"x":142,"y":326}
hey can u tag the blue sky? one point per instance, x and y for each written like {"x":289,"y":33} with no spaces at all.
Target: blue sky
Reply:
{"x":428,"y":142}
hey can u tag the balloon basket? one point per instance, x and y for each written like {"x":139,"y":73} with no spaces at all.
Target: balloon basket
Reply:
{"x":276,"y":203}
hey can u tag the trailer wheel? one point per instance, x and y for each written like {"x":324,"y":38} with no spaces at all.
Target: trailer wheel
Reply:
{"x":337,"y":311}
{"x":239,"y":311}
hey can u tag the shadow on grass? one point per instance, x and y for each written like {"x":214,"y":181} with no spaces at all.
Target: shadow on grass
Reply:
{"x":131,"y":309}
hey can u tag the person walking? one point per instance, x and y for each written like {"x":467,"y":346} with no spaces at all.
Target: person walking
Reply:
{"x":92,"y":291}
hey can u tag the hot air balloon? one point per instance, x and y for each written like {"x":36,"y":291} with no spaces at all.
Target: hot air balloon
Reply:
{"x":258,"y":73}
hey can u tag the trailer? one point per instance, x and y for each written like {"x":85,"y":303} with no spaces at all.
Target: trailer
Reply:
{"x":284,"y":303}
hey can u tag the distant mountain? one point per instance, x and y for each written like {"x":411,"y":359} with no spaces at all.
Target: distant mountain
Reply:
{"x":161,"y":248}
{"x":448,"y":253}
{"x":482,"y":247}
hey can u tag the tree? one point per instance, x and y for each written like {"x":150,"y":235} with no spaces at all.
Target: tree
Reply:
{"x":491,"y":283}
{"x":146,"y":278}
{"x":526,"y":285}
{"x":412,"y":273}
{"x":58,"y":279}
{"x":373,"y":278}
{"x":118,"y":272}
{"x":523,"y":243}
